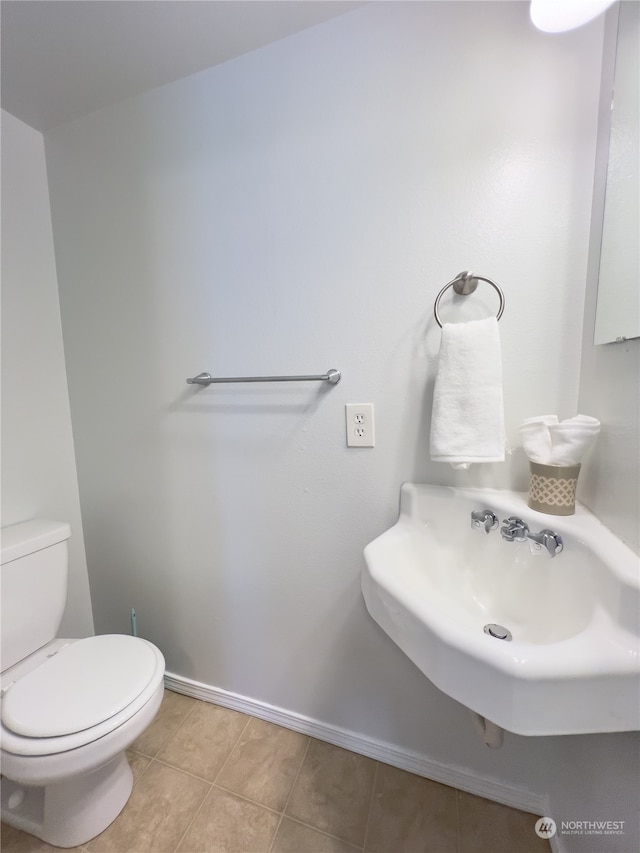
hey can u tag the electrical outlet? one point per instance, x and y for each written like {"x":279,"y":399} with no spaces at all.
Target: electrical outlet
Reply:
{"x":359,"y":423}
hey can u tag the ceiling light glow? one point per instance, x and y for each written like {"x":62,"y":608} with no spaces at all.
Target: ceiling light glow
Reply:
{"x":558,"y":16}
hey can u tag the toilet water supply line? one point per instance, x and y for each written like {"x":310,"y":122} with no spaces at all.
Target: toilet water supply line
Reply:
{"x":490,"y":733}
{"x":134,"y":623}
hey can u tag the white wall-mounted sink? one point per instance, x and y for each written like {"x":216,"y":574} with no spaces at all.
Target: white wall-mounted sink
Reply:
{"x":573,"y":663}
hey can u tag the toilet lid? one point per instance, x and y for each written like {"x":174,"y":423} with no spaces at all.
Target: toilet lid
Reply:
{"x":84,"y":684}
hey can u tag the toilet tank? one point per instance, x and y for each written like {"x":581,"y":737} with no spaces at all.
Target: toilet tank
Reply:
{"x":34,"y":586}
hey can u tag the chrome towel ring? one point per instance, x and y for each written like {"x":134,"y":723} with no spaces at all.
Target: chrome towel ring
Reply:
{"x":464,"y":284}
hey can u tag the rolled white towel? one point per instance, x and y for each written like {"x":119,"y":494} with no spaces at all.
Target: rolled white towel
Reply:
{"x":536,"y":439}
{"x":544,"y":419}
{"x":571,"y":439}
{"x":550,"y":442}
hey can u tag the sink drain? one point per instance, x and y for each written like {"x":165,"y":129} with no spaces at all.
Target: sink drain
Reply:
{"x":498,"y":631}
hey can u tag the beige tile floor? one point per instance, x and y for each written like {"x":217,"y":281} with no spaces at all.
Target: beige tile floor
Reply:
{"x":211,"y":780}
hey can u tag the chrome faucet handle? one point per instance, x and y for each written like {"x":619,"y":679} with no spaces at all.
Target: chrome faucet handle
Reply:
{"x":549,"y":540}
{"x":514,"y":529}
{"x":484,"y":519}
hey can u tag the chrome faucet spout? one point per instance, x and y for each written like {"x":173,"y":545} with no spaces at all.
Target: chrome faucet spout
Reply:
{"x":514,"y":529}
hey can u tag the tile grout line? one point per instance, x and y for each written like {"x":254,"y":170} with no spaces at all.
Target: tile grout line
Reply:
{"x":178,"y":727}
{"x":293,"y":784}
{"x":210,"y":784}
{"x":357,"y":847}
{"x":371,"y":798}
{"x":144,"y":769}
{"x":458,"y":841}
{"x":195,"y":815}
{"x":235,"y":743}
{"x":168,"y":738}
{"x":181,"y":770}
{"x":245,"y":799}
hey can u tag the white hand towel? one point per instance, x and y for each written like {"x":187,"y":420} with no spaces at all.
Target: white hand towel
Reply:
{"x":467,"y":421}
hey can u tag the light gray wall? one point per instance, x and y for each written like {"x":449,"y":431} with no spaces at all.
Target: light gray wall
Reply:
{"x":295,"y":210}
{"x":610,"y":373}
{"x":38,"y":466}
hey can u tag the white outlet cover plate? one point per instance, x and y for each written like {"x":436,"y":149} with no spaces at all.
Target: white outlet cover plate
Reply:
{"x":360,"y":425}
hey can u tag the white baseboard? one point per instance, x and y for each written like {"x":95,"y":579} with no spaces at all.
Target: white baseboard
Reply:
{"x":387,"y":753}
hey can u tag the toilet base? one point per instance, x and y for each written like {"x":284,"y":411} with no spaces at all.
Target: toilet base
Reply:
{"x":71,"y":812}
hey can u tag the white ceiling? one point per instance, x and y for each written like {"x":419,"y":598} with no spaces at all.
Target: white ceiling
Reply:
{"x":64,"y":58}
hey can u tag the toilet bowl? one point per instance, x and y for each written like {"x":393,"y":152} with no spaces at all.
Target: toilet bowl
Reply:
{"x":68,"y":709}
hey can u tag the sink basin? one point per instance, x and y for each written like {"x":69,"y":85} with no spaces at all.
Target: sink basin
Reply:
{"x":572,"y":665}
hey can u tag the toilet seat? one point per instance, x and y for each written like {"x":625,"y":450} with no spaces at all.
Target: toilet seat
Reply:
{"x":85,"y":684}
{"x":79,"y":694}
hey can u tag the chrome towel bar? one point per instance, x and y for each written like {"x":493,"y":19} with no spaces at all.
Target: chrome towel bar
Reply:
{"x":464,"y":284}
{"x":331,"y":376}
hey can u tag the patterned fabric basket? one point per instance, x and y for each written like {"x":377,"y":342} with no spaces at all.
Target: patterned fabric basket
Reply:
{"x":552,"y":488}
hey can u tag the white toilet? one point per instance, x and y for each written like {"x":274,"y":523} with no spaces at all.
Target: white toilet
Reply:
{"x":69,"y":708}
